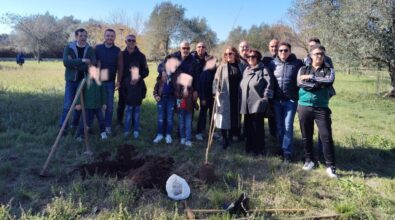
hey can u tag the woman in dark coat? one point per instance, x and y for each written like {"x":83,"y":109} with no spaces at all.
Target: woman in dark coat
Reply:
{"x":256,"y":89}
{"x":226,"y":87}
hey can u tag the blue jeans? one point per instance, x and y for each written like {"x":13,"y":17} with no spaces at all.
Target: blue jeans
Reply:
{"x":285,"y":115}
{"x":165,"y":114}
{"x":132,"y":115}
{"x":110,"y":88}
{"x":90,"y":113}
{"x":69,"y":94}
{"x":185,"y":124}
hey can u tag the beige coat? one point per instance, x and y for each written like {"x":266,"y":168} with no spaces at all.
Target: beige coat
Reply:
{"x":221,"y":90}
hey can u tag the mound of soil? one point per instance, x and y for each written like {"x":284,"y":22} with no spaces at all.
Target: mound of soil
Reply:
{"x":206,"y":173}
{"x":153,"y":173}
{"x":145,"y":172}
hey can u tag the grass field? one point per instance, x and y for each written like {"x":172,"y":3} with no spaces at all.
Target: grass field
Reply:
{"x":30,"y":105}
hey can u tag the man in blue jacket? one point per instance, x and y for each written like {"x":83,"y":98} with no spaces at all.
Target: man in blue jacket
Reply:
{"x":108,"y":55}
{"x":286,"y":96}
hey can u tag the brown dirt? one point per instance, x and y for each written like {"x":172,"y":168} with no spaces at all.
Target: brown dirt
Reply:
{"x":206,"y":173}
{"x":153,"y":173}
{"x":145,"y":172}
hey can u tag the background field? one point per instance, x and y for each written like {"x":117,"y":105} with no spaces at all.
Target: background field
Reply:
{"x":30,"y":104}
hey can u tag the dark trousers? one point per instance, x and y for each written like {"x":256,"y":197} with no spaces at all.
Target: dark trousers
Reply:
{"x":121,"y":106}
{"x":272,"y":121}
{"x":255,"y":133}
{"x":201,"y":125}
{"x":90,"y":114}
{"x":322,"y":117}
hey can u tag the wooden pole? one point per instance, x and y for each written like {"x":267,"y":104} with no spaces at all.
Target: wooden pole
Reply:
{"x":86,"y":139}
{"x":255,"y":210}
{"x":212,"y":124}
{"x":55,"y":145}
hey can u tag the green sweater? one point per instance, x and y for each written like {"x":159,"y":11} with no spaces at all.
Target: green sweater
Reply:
{"x":316,"y":91}
{"x":94,"y":95}
{"x":74,"y":64}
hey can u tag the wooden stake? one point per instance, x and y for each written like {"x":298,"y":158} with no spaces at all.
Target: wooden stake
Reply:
{"x":251,"y":211}
{"x":86,"y":139}
{"x":55,"y":145}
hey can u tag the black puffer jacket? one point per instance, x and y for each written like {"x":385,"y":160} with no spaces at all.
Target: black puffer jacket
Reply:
{"x":285,"y":74}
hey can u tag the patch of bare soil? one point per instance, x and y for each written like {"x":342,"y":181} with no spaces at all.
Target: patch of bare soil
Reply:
{"x":145,"y":172}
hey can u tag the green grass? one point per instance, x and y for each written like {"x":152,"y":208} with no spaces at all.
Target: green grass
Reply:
{"x":30,"y":105}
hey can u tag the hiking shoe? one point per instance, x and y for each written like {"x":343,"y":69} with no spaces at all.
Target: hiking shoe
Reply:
{"x":188,"y":143}
{"x":158,"y":138}
{"x":331,"y":172}
{"x":103,"y":135}
{"x":108,"y":131}
{"x":136,"y":134}
{"x":79,"y":139}
{"x":168,"y":139}
{"x":199,"y":137}
{"x":308,"y":166}
{"x":287,"y":158}
{"x":182,"y":141}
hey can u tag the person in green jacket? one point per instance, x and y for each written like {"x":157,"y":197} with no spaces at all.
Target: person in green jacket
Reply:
{"x":77,"y":57}
{"x":94,"y":95}
{"x":314,"y":93}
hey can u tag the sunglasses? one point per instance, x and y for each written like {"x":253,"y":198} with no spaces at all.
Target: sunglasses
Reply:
{"x":252,"y":57}
{"x":228,"y":54}
{"x":131,"y":40}
{"x":285,"y":51}
{"x":186,"y":48}
{"x":201,"y":46}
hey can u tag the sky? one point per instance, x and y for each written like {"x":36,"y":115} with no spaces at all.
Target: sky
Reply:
{"x":222,"y":15}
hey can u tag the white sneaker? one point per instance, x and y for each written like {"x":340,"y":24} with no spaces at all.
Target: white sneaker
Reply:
{"x":168,"y":139}
{"x":125,"y":134}
{"x":108,"y":130}
{"x":188,"y":143}
{"x":103,"y":135}
{"x":308,"y":166}
{"x":331,"y":172}
{"x":158,"y":138}
{"x":136,"y":134}
{"x":199,"y":137}
{"x":182,"y":141}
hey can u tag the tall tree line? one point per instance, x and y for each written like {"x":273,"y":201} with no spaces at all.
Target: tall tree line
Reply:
{"x":356,"y":32}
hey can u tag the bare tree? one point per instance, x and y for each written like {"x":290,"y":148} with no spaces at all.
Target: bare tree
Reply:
{"x":39,"y":32}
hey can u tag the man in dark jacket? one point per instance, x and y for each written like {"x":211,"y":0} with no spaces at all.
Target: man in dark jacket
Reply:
{"x":286,"y":96}
{"x":77,"y":57}
{"x":314,"y":82}
{"x":108,"y":55}
{"x":269,"y":62}
{"x":131,"y":58}
{"x":205,"y":81}
{"x":313,"y":42}
{"x":186,"y":64}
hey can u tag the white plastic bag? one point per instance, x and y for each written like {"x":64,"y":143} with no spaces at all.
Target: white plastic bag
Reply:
{"x":177,"y":188}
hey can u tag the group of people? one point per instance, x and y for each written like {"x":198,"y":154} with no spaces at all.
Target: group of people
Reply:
{"x":106,"y":69}
{"x":246,"y":87}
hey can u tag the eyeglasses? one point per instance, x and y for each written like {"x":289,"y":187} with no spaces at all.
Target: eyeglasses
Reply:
{"x":229,"y":54}
{"x":131,"y":40}
{"x":201,"y":46}
{"x":186,"y":48}
{"x":285,"y":51}
{"x":318,"y":54}
{"x":252,"y":57}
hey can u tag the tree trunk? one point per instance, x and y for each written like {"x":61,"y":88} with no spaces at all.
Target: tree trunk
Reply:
{"x":391,"y":67}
